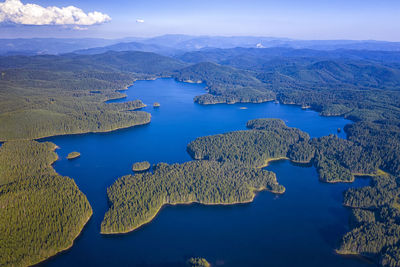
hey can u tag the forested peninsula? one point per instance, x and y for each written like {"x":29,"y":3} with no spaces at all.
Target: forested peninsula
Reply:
{"x":136,"y":199}
{"x":41,"y":212}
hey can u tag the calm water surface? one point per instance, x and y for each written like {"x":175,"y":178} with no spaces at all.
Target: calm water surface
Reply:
{"x":300,"y":228}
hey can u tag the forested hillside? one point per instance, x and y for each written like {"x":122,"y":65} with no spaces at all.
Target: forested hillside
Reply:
{"x":41,"y":212}
{"x":53,"y":95}
{"x":333,"y":82}
{"x":225,"y":84}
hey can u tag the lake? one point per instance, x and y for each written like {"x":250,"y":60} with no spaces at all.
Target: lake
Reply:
{"x":299,"y":228}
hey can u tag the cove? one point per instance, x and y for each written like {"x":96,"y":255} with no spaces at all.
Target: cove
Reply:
{"x":299,"y":228}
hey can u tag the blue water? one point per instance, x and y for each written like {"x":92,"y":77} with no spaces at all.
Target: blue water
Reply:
{"x":299,"y":228}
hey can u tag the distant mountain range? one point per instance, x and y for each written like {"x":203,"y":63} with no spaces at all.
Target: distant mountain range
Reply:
{"x":250,"y":58}
{"x":130,"y":46}
{"x":178,"y":44}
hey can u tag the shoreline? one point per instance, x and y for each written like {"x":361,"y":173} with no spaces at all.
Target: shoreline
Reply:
{"x":85,"y":220}
{"x":356,"y":255}
{"x":77,"y":133}
{"x":268,"y":161}
{"x":126,"y":87}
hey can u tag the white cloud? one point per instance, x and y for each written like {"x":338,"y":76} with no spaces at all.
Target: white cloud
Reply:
{"x":15,"y":11}
{"x":140,"y":20}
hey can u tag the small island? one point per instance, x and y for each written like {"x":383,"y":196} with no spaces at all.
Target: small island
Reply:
{"x":73,"y":155}
{"x":198,"y":262}
{"x":141,"y":166}
{"x":156,"y":105}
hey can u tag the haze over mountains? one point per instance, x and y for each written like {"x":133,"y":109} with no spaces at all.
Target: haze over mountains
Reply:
{"x":177,"y":44}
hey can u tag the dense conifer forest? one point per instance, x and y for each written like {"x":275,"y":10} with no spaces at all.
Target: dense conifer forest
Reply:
{"x":336,"y":159}
{"x":252,"y":148}
{"x":54,"y":95}
{"x":136,"y":199}
{"x":41,"y":212}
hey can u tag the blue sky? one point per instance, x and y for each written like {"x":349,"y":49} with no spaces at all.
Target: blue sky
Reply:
{"x":322,"y":19}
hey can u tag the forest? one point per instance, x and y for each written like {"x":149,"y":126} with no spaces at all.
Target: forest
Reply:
{"x":336,"y":159}
{"x":41,"y":212}
{"x":228,"y":169}
{"x":251,"y":148}
{"x":375,"y":221}
{"x":225,"y":84}
{"x":67,"y":94}
{"x":136,"y":199}
{"x":362,"y":86}
{"x":53,"y":95}
{"x":375,"y":209}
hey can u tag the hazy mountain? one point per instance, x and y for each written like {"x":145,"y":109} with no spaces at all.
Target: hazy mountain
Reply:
{"x":173,"y":44}
{"x":37,"y":46}
{"x":129,"y":61}
{"x":186,"y":42}
{"x":131,"y":46}
{"x":253,"y":57}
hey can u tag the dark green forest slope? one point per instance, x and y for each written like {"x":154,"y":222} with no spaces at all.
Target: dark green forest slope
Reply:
{"x":41,"y":212}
